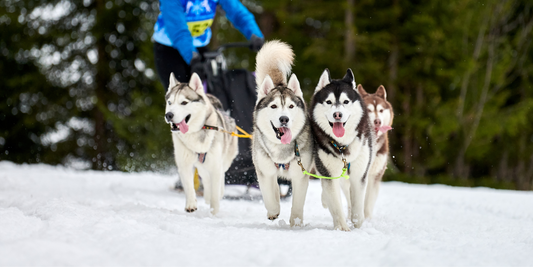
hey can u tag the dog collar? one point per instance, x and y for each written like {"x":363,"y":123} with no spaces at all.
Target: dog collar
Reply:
{"x":208,"y":127}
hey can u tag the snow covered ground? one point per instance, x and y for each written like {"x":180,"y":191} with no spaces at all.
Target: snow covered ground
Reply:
{"x":57,"y":216}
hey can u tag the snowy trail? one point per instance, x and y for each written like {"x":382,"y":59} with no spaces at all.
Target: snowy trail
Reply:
{"x":57,"y":216}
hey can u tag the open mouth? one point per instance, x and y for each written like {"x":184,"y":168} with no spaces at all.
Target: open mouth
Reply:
{"x":331,"y":124}
{"x":279,"y":133}
{"x":283,"y":134}
{"x":338,"y":128}
{"x":181,"y":126}
{"x":382,"y":129}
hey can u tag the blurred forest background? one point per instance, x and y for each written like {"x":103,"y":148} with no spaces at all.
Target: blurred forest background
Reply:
{"x":79,"y":88}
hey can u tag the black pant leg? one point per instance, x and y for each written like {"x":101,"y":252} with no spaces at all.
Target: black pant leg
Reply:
{"x":167,"y":60}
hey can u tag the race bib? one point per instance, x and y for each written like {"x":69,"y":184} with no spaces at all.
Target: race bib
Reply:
{"x":197,"y":28}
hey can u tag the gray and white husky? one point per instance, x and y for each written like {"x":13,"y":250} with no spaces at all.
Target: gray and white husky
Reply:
{"x":341,"y":130}
{"x":194,"y":118}
{"x":281,"y":129}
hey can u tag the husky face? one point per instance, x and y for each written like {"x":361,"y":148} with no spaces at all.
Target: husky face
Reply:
{"x":186,"y":105}
{"x":280,"y":110}
{"x":379,"y":109}
{"x":337,"y":106}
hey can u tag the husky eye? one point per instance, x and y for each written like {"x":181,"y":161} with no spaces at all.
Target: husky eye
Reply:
{"x":346,"y":102}
{"x":169,"y":103}
{"x":273,"y":106}
{"x":328,"y":102}
{"x":381,"y":110}
{"x":291,"y":106}
{"x":184,"y":103}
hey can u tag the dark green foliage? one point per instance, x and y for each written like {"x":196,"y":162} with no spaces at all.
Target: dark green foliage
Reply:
{"x":82,"y":69}
{"x":458,"y":73}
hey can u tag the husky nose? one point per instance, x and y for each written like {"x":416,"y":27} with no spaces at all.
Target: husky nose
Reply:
{"x":169,"y":116}
{"x":377,"y":122}
{"x":337,"y":115}
{"x":284,"y":120}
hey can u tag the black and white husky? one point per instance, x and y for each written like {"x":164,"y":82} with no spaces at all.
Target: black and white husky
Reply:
{"x":281,"y":135}
{"x":194,"y":118}
{"x":341,"y":130}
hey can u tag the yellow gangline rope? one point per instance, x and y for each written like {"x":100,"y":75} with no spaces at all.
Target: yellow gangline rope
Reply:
{"x":243,"y":135}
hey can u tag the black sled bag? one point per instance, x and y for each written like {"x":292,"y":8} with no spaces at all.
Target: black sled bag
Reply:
{"x":236,"y":90}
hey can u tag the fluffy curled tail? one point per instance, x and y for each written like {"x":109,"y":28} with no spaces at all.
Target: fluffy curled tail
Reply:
{"x":275,"y":59}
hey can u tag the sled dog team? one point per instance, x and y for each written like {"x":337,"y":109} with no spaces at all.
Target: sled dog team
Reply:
{"x":342,"y":134}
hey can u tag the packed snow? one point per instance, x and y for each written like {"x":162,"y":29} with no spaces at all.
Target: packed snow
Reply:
{"x":58,"y":216}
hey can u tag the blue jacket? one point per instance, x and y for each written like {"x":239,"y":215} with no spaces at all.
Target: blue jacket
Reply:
{"x":186,"y":24}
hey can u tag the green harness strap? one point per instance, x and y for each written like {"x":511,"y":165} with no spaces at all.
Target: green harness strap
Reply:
{"x":343,"y":174}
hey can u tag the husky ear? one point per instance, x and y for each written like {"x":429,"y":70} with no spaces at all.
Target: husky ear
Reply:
{"x":172,"y":81}
{"x":324,"y":80}
{"x":349,"y":77}
{"x":381,"y":92}
{"x":265,"y":87}
{"x":361,"y":90}
{"x":196,"y":84}
{"x":294,"y":84}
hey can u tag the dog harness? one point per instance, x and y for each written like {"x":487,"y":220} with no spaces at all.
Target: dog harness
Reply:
{"x":338,"y":147}
{"x":285,"y":166}
{"x":201,"y":157}
{"x":344,"y":169}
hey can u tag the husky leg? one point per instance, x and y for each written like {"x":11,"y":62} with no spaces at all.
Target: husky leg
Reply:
{"x":187,"y":179}
{"x":357,"y":195}
{"x":206,"y":181}
{"x":222,"y":184}
{"x":331,"y":198}
{"x":270,"y":191}
{"x":299,"y":191}
{"x":372,"y":190}
{"x":217,"y":176}
{"x":345,"y":185}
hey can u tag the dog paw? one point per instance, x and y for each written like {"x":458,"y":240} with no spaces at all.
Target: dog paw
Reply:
{"x":272,"y":217}
{"x":357,"y":222}
{"x":342,"y":228}
{"x":296,"y":222}
{"x":191,"y":209}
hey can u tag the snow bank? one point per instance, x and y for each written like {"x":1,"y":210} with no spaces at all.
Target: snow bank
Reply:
{"x":57,"y":216}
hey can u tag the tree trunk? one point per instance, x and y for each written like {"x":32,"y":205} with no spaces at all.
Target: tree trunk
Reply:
{"x":349,"y":40}
{"x":460,"y":163}
{"x":393,"y":63}
{"x":407,"y":138}
{"x":101,"y":134}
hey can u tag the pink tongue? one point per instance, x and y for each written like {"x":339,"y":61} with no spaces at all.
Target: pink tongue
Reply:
{"x":287,"y":136}
{"x":384,"y":129}
{"x":184,"y":128}
{"x":338,"y":129}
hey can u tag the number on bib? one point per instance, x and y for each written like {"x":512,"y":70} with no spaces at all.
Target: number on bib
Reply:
{"x":197,"y":28}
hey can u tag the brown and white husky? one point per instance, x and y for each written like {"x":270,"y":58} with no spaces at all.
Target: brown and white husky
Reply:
{"x":381,"y":114}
